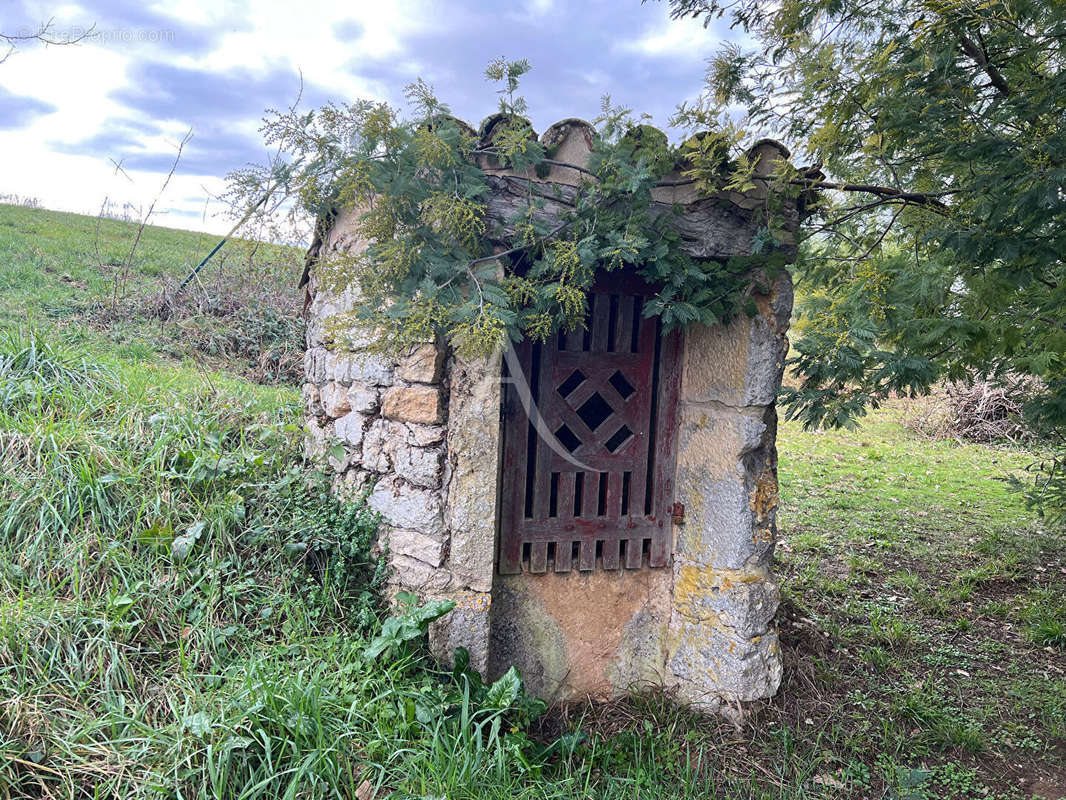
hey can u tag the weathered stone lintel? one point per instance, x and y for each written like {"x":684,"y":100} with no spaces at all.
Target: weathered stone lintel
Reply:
{"x":710,"y":227}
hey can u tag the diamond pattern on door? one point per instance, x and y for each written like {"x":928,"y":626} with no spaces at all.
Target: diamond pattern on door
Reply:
{"x":598,"y":490}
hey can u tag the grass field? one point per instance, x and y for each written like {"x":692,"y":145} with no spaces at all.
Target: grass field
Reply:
{"x":185,"y":613}
{"x":238,"y":315}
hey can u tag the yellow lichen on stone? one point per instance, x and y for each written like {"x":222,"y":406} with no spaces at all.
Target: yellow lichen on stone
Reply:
{"x":694,"y":583}
{"x":764,"y":497}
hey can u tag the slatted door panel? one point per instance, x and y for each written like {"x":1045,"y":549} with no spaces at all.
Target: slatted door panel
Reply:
{"x":588,"y":466}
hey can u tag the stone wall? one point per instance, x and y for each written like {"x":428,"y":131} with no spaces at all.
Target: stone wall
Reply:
{"x":722,"y":639}
{"x":422,"y":434}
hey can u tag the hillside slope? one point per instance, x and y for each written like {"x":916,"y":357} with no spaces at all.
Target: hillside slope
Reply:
{"x":184,"y":610}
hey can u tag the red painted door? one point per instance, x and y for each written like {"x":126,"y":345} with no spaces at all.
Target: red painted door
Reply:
{"x":589,"y":441}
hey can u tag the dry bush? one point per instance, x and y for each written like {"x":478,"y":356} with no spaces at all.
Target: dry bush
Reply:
{"x":243,"y":313}
{"x":252,"y":322}
{"x":986,"y":411}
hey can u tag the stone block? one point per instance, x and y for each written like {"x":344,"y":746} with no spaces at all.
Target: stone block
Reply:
{"x":737,"y":365}
{"x":569,"y":142}
{"x":422,"y":365}
{"x":781,"y":299}
{"x":315,"y":365}
{"x":334,"y":398}
{"x":378,"y":443}
{"x":351,"y":484}
{"x":363,"y":398}
{"x":716,"y":439}
{"x":466,"y":625}
{"x":333,"y":303}
{"x":339,"y":463}
{"x":349,"y":428}
{"x":721,"y":465}
{"x":420,"y":404}
{"x":741,"y":601}
{"x":311,"y":398}
{"x":405,"y":506}
{"x":718,"y":529}
{"x":420,"y":466}
{"x":331,"y":325}
{"x":425,"y":435}
{"x":740,"y":364}
{"x":410,"y":574}
{"x":709,"y":664}
{"x":346,"y":368}
{"x":388,"y":447}
{"x":316,"y":440}
{"x":427,"y":549}
{"x":344,"y":236}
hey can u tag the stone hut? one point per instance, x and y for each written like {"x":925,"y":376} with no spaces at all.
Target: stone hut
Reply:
{"x":600,"y":506}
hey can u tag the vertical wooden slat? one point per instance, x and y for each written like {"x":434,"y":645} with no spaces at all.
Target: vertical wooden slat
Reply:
{"x":614,"y":496}
{"x":634,"y":548}
{"x":546,"y":395}
{"x":562,"y":555}
{"x":538,"y":557}
{"x":659,"y":554}
{"x":623,"y":329}
{"x":638,"y":482}
{"x":541,"y":483}
{"x":590,"y":495}
{"x":610,"y":553}
{"x":586,"y":558}
{"x":565,"y":501}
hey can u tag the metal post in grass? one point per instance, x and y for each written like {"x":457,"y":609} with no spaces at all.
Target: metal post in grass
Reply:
{"x":248,"y":215}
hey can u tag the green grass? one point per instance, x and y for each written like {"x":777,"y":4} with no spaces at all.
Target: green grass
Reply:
{"x":185,"y":613}
{"x":119,"y":294}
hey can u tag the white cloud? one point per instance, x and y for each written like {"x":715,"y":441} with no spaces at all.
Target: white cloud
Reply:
{"x":157,"y":65}
{"x":685,"y":39}
{"x":79,"y":82}
{"x":304,"y":41}
{"x":76,"y":80}
{"x":538,"y":8}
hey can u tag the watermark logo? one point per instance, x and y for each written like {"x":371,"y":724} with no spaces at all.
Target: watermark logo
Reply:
{"x":95,"y":35}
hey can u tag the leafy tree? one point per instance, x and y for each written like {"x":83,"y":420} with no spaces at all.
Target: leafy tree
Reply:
{"x":939,"y":249}
{"x":429,"y":269}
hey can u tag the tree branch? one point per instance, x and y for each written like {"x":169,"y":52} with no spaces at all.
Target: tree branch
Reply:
{"x":42,"y":34}
{"x":974,"y":51}
{"x":886,"y":193}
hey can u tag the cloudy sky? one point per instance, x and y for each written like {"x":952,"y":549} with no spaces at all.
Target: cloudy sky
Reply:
{"x":151,"y":71}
